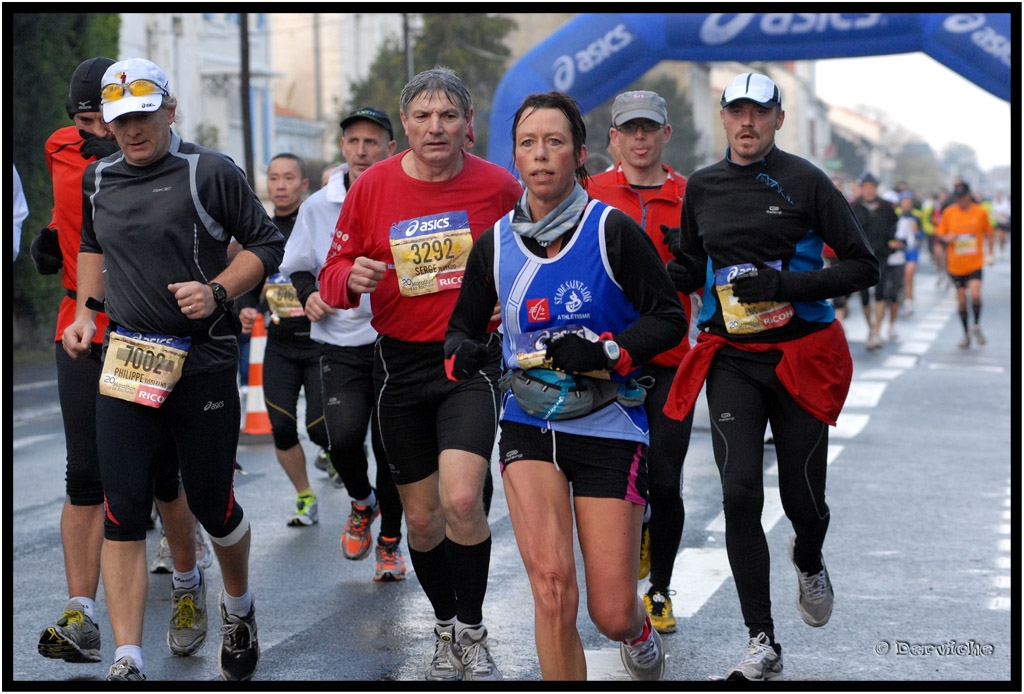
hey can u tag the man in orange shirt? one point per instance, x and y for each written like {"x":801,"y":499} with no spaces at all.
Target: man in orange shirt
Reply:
{"x":963,"y":228}
{"x":650,"y":192}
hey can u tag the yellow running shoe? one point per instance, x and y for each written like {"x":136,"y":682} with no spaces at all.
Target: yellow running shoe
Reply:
{"x":645,"y":552}
{"x":659,"y":606}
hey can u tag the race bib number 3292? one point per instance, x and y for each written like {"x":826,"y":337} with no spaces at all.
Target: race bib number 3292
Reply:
{"x":430,"y":252}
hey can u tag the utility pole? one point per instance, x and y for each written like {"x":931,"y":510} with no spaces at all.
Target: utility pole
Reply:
{"x":409,"y":74}
{"x":317,"y":79}
{"x":243,"y":27}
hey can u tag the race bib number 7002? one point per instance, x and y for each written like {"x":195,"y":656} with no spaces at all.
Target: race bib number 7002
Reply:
{"x":142,"y":368}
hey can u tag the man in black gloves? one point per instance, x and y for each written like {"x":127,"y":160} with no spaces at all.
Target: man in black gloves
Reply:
{"x":769,"y":348}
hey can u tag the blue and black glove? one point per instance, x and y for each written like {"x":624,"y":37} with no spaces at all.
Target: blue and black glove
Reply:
{"x":468,"y":358}
{"x":45,"y":250}
{"x":574,"y":354}
{"x":95,"y":146}
{"x":763,"y":284}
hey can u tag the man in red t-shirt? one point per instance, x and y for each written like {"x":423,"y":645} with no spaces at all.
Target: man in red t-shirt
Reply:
{"x":649,"y":191}
{"x":403,"y":237}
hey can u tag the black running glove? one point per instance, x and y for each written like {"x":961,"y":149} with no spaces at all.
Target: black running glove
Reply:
{"x":46,"y":255}
{"x":574,"y":354}
{"x":762,"y":285}
{"x":682,"y":279}
{"x":468,"y":358}
{"x":95,"y":146}
{"x":671,"y":236}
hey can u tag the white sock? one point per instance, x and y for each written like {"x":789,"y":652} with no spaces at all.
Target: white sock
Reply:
{"x":88,"y":605}
{"x":369,"y":501}
{"x":134,"y":652}
{"x":187,"y":579}
{"x":240,"y":607}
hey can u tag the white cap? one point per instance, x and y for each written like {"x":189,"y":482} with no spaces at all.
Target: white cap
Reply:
{"x":124,"y":72}
{"x":752,"y":86}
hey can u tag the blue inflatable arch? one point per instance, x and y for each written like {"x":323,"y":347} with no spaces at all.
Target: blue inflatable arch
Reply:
{"x":594,"y":56}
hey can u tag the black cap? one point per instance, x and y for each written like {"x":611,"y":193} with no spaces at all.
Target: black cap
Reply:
{"x":373,"y":115}
{"x":961,"y":189}
{"x":867,"y":177}
{"x":86,"y":85}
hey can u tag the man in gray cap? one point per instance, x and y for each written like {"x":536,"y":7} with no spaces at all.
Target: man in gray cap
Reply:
{"x":156,"y":223}
{"x":769,"y":349}
{"x":651,"y":192}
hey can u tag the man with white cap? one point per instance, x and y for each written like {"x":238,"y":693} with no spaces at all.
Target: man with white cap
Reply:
{"x":156,"y":223}
{"x":770,"y":350}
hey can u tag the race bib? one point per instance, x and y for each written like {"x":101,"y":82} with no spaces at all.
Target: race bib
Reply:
{"x":142,"y":368}
{"x":281,"y":297}
{"x":744,"y":319}
{"x":966,"y":244}
{"x":530,"y":348}
{"x":430,"y":253}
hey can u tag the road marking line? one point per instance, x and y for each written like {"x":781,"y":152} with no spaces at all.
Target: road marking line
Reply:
{"x":29,"y":440}
{"x":865,"y":393}
{"x":999,"y":604}
{"x":705,"y":570}
{"x":899,"y":361}
{"x":849,"y":425}
{"x":605,"y":664}
{"x":879,"y":375}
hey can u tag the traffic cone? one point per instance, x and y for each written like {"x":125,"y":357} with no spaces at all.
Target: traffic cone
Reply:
{"x":257,"y":421}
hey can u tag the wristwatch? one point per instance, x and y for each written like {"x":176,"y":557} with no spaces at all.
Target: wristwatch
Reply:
{"x":611,"y":352}
{"x":220,"y":295}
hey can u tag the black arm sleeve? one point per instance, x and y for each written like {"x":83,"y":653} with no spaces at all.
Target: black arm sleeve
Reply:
{"x":477,"y":296}
{"x":856,"y":266}
{"x":638,"y":269}
{"x":304,"y":283}
{"x":689,"y":250}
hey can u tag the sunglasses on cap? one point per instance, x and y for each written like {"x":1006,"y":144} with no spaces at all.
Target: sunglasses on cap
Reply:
{"x":114,"y":92}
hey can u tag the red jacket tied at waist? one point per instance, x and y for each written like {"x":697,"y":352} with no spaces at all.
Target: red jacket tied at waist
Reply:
{"x":816,"y":370}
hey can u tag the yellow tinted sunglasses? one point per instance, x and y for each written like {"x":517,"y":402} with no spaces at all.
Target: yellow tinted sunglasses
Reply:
{"x":113,"y":92}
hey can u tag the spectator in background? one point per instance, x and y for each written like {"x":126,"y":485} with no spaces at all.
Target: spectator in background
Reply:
{"x":346,"y":341}
{"x":291,"y":360}
{"x":878,"y":219}
{"x":942,"y":201}
{"x":964,"y":228}
{"x":909,"y":232}
{"x":20,"y":211}
{"x":1001,"y":212}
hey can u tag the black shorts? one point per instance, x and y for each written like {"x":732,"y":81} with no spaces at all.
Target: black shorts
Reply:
{"x":891,"y":283}
{"x":960,"y":281}
{"x":601,"y":468}
{"x":421,"y":412}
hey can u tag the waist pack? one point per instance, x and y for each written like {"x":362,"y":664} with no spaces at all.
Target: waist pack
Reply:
{"x":554,"y":395}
